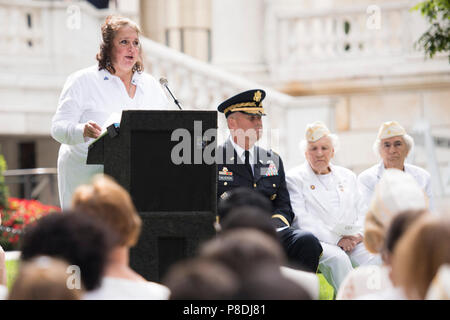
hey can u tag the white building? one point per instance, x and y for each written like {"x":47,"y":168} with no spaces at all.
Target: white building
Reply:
{"x":350,"y":65}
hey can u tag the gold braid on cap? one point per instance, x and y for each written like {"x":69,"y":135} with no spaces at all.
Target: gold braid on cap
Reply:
{"x":252,"y":106}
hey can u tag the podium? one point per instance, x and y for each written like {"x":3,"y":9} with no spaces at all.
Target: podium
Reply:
{"x":176,"y":201}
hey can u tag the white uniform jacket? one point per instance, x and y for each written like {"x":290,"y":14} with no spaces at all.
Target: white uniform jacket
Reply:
{"x":90,"y":94}
{"x":313,"y":210}
{"x":368,"y":179}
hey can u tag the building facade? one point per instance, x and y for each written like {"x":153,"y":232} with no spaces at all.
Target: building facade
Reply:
{"x":351,"y":64}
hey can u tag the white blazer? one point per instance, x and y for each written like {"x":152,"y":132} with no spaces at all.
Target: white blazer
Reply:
{"x":312,"y":207}
{"x":368,"y":179}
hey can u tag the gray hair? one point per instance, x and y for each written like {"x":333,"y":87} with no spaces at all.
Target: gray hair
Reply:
{"x":334,"y":142}
{"x":409,"y":141}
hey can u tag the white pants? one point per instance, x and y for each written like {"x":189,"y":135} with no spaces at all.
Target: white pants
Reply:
{"x":73,"y":172}
{"x":335,"y":263}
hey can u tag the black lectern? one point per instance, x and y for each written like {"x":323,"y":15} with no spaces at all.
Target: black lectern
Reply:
{"x":161,"y":158}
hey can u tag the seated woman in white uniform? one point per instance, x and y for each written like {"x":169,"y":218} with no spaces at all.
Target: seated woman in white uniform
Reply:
{"x":326,"y":202}
{"x":393,"y":145}
{"x":91,"y":96}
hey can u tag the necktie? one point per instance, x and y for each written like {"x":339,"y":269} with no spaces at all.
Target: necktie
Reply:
{"x":247,"y":162}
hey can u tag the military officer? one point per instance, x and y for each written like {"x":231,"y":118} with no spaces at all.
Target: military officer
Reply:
{"x":243,"y":164}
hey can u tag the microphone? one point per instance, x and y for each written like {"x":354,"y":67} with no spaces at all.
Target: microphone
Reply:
{"x":164,"y":83}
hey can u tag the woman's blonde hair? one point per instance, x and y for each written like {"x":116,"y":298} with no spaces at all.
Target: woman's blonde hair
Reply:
{"x":420,"y":253}
{"x":111,"y":203}
{"x":374,"y":233}
{"x":396,"y":192}
{"x":110,"y":28}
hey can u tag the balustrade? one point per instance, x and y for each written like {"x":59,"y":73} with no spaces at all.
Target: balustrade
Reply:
{"x":343,"y":42}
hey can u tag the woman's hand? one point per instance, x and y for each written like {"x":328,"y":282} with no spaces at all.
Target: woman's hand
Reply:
{"x":347,"y":243}
{"x":358,"y":238}
{"x":91,"y":130}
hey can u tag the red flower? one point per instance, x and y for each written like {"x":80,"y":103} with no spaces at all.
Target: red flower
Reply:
{"x":21,"y":212}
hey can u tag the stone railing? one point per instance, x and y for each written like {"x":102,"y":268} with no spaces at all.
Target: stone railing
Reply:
{"x":343,"y":42}
{"x":21,"y":29}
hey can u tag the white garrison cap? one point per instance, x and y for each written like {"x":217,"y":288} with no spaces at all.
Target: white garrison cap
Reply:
{"x":440,"y":286}
{"x":315,"y":131}
{"x":396,"y":191}
{"x":390,"y":129}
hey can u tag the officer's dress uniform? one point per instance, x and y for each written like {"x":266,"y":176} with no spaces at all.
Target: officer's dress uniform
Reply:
{"x":264,"y":172}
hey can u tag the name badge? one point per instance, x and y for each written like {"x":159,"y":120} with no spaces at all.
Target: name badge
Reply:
{"x":346,"y":229}
{"x":226,"y":178}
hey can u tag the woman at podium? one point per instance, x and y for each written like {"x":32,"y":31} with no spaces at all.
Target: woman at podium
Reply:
{"x":91,"y":95}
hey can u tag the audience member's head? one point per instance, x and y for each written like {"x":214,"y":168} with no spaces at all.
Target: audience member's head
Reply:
{"x":251,"y":217}
{"x":109,"y":202}
{"x":255,"y":258}
{"x":397,"y":228}
{"x":396,"y":192}
{"x":73,"y":237}
{"x":44,"y":278}
{"x":240,"y":197}
{"x":243,"y":250}
{"x":419,"y":254}
{"x":268,"y":284}
{"x":201,"y":279}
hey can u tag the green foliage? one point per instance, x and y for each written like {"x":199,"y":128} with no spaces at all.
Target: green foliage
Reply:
{"x":437,"y":37}
{"x":4,"y":194}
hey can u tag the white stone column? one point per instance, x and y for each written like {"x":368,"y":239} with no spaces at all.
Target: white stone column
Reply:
{"x":238,"y":36}
{"x":153,"y":19}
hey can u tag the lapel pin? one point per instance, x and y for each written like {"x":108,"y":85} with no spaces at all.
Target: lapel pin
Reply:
{"x":313,"y":187}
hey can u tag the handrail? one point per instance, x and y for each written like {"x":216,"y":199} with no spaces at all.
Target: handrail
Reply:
{"x":35,"y":171}
{"x":35,"y":181}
